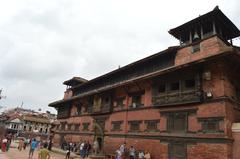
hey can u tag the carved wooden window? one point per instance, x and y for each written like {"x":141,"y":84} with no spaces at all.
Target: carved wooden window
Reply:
{"x":210,"y":125}
{"x":177,"y":122}
{"x":177,"y":151}
{"x":106,"y":103}
{"x":238,"y":94}
{"x":136,"y":99}
{"x":119,"y":102}
{"x":97,"y":103}
{"x":175,"y":86}
{"x":171,"y":90}
{"x":189,"y":84}
{"x":196,"y":48}
{"x":69,"y":127}
{"x":72,"y":127}
{"x":86,"y":126}
{"x":79,"y":108}
{"x":134,"y":125}
{"x":63,"y":126}
{"x":76,"y":127}
{"x":90,"y":103}
{"x":116,"y":125}
{"x":63,"y":112}
{"x":151,"y":125}
{"x":162,"y":88}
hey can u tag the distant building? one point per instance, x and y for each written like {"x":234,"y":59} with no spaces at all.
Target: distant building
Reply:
{"x":26,"y":122}
{"x":179,"y":103}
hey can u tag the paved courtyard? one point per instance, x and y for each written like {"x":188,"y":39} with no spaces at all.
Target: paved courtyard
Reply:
{"x":14,"y":153}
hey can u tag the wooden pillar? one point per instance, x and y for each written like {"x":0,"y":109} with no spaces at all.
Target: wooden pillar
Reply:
{"x":220,"y":31}
{"x":201,"y":32}
{"x":190,"y":37}
{"x":214,"y":28}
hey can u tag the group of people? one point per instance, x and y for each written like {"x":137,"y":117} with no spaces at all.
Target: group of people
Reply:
{"x":5,"y":144}
{"x":44,"y":147}
{"x":83,"y":148}
{"x":131,"y":153}
{"x":43,"y":153}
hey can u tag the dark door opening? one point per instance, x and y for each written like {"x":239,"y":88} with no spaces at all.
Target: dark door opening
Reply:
{"x":177,"y":151}
{"x":99,"y":140}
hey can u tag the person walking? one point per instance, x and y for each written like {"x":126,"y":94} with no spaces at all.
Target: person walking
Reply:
{"x":33,"y":146}
{"x":147,"y":155}
{"x":20,"y":145}
{"x":118,"y":154}
{"x":4,"y":145}
{"x":44,"y":152}
{"x":8,"y":144}
{"x":141,"y":154}
{"x":82,"y":150}
{"x":132,"y":152}
{"x":88,"y":148}
{"x":68,"y":152}
{"x":95,"y":146}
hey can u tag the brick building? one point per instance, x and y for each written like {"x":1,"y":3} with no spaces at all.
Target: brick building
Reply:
{"x":178,"y":103}
{"x":27,"y":123}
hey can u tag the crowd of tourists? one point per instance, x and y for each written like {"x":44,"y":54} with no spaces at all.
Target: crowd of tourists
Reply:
{"x":5,"y":143}
{"x":131,"y":153}
{"x":44,"y":147}
{"x":83,"y":148}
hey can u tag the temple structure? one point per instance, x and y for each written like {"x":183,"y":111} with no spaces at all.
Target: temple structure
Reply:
{"x":179,"y":103}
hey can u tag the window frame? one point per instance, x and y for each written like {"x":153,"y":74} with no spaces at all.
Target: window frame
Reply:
{"x":133,"y":123}
{"x":156,"y":125}
{"x":211,"y":120}
{"x":85,"y":126}
{"x":172,"y":119}
{"x":138,"y":94}
{"x":116,"y":125}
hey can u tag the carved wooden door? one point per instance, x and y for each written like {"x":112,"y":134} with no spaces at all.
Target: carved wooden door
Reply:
{"x":177,"y":151}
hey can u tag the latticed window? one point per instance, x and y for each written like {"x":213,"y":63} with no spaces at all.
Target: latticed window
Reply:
{"x":134,"y":126}
{"x":210,"y":125}
{"x":116,"y":125}
{"x":63,"y":126}
{"x":151,"y":125}
{"x":177,"y":122}
{"x":189,"y":84}
{"x":175,"y":86}
{"x":238,"y":93}
{"x":85,"y":126}
{"x":196,"y":48}
{"x":63,"y":112}
{"x":120,"y":102}
{"x":76,"y":128}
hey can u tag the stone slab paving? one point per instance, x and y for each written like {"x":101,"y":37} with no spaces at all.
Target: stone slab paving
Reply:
{"x":3,"y":156}
{"x":14,"y":153}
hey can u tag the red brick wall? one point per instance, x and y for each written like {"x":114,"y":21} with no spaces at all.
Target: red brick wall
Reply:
{"x":209,"y":47}
{"x":157,"y":150}
{"x":236,"y":145}
{"x":68,"y":94}
{"x":209,"y":151}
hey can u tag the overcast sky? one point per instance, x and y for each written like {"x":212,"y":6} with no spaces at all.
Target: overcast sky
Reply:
{"x":45,"y":42}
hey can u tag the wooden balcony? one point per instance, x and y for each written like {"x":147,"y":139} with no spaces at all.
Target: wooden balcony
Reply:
{"x":102,"y":109}
{"x":180,"y":97}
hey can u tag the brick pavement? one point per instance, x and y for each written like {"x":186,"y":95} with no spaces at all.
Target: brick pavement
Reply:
{"x":14,"y":153}
{"x":3,"y":156}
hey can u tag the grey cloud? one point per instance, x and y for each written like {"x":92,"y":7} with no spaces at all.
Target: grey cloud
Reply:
{"x":43,"y":43}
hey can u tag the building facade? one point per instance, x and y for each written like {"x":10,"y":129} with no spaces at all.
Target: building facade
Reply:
{"x":178,"y":103}
{"x":26,"y":123}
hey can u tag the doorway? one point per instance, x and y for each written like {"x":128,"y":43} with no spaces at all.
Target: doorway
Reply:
{"x":177,"y":150}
